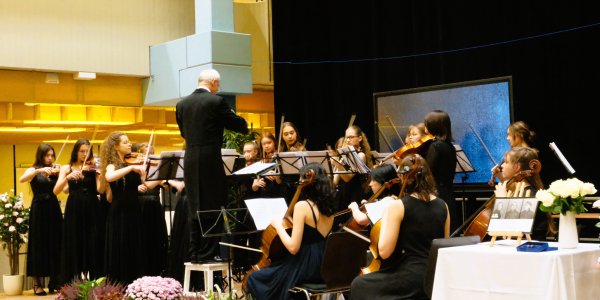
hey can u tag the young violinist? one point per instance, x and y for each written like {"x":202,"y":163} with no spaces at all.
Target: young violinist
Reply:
{"x":124,"y":248}
{"x":45,"y":221}
{"x":267,"y":186}
{"x":518,"y":134}
{"x":83,"y":184}
{"x":414,"y":133}
{"x":521,"y":180}
{"x":408,"y":227}
{"x":312,"y":222}
{"x":291,"y":138}
{"x":250,"y":152}
{"x":441,"y":158}
{"x":154,"y":226}
{"x":379,"y":177}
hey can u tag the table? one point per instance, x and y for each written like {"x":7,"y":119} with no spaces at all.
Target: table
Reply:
{"x":501,"y":272}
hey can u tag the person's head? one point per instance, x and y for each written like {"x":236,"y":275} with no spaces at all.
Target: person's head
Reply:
{"x":210,"y":79}
{"x":320,"y":191}
{"x":519,"y":134}
{"x":114,"y":148}
{"x":290,"y":135}
{"x":250,"y":151}
{"x":381,"y":175}
{"x":142,"y":148}
{"x":416,"y":176}
{"x":513,"y":205}
{"x":438,"y":124}
{"x":521,"y":159}
{"x":80,"y":149}
{"x":44,"y":156}
{"x":414,"y":133}
{"x":268,"y":144}
{"x":356,"y":138}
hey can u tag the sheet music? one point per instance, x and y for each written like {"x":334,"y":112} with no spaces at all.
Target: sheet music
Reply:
{"x":228,"y":156}
{"x":562,"y":158}
{"x":353,"y":159}
{"x":255,"y":168}
{"x":291,"y":162}
{"x":263,"y":210}
{"x":462,"y":161}
{"x":375,"y":210}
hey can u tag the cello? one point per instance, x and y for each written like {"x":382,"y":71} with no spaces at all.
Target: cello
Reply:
{"x":271,"y":245}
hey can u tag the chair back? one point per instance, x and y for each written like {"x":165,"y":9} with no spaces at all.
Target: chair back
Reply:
{"x":433,"y":254}
{"x":344,"y":255}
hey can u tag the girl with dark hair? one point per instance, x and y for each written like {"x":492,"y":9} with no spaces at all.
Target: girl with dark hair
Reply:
{"x":379,"y":177}
{"x":83,"y":184}
{"x":45,"y":221}
{"x":441,"y":158}
{"x":312,"y":222}
{"x":408,"y":227}
{"x":291,"y":138}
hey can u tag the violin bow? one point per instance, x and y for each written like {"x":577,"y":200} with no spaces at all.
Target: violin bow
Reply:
{"x":91,"y":145}
{"x":351,"y":120}
{"x":61,"y":149}
{"x":280,"y":133}
{"x":387,"y":142}
{"x":148,"y":149}
{"x":395,"y":130}
{"x":483,"y":144}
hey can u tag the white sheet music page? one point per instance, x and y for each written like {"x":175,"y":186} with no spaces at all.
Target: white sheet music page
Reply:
{"x":255,"y":168}
{"x":375,"y":210}
{"x":263,"y":210}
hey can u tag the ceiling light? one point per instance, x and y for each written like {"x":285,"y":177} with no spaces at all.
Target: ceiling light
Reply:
{"x":84,"y":76}
{"x":52,"y":78}
{"x":40,"y":129}
{"x":59,"y":122}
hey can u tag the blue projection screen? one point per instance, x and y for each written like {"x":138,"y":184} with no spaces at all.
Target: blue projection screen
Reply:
{"x":485,"y":104}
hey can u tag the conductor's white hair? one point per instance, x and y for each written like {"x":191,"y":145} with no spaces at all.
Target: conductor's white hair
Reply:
{"x":209,"y":75}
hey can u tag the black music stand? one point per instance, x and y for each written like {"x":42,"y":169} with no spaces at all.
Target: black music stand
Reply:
{"x":464,"y":166}
{"x":227,"y":224}
{"x":290,"y":163}
{"x":169,"y":166}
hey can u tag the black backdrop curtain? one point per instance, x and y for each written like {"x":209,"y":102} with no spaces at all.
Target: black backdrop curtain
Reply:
{"x":331,"y":56}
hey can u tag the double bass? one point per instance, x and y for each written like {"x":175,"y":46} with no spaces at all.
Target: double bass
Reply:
{"x":271,"y":245}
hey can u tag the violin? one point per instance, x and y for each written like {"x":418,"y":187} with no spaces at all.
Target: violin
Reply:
{"x":138,"y":159}
{"x":411,"y":148}
{"x":481,"y":218}
{"x":91,"y":166}
{"x":271,"y":245}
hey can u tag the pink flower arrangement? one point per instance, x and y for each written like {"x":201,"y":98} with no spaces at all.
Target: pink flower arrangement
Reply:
{"x":154,"y":287}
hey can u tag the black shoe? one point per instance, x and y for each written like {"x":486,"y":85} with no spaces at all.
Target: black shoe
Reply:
{"x":39,"y":291}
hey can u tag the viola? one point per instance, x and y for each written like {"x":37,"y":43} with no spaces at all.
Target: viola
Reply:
{"x":478,"y":223}
{"x":271,"y":245}
{"x":411,"y":148}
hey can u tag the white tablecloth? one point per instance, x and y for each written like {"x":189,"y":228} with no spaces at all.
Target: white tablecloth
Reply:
{"x":501,"y":272}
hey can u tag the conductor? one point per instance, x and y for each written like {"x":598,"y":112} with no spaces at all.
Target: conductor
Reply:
{"x":201,"y":117}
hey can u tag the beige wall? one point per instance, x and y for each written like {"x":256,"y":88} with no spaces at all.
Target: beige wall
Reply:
{"x":110,"y":36}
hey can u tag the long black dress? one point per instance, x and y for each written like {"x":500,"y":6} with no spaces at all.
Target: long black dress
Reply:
{"x":275,"y":281}
{"x":402,"y":275}
{"x":45,"y":225}
{"x":123,"y":231}
{"x":78,"y":230}
{"x":154,"y":233}
{"x":441,"y":157}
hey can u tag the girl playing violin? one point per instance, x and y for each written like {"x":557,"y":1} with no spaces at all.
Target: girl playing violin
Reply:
{"x":312,"y":222}
{"x":414,"y":133}
{"x":291,"y":138}
{"x":45,"y":221}
{"x":83,"y":184}
{"x":408,"y":226}
{"x":518,"y":134}
{"x":519,"y":167}
{"x":123,"y":224}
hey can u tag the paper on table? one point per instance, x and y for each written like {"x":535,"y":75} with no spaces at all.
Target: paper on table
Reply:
{"x":263,"y":210}
{"x":375,"y":210}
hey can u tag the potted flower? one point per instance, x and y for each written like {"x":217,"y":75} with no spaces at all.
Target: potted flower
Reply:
{"x":565,"y":197}
{"x":154,"y":287}
{"x":14,"y":224}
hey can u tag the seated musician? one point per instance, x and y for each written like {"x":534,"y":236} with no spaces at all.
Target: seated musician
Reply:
{"x":408,"y":227}
{"x":250,"y":152}
{"x":518,"y":134}
{"x":414,"y":133}
{"x":312,"y":222}
{"x":291,"y":138}
{"x":517,"y":161}
{"x":379,"y":176}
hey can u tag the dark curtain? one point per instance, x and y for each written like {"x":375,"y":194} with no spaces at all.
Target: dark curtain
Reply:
{"x":331,"y":56}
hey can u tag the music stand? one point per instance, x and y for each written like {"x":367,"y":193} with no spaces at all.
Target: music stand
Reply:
{"x":223,"y":217}
{"x":356,"y":164}
{"x":464,"y":166}
{"x":229,"y":157}
{"x":168,"y":166}
{"x":290,"y":163}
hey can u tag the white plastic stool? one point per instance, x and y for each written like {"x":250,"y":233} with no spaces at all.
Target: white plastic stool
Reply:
{"x":208,"y":270}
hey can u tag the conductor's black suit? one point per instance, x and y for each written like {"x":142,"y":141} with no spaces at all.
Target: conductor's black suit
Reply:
{"x":201,"y":117}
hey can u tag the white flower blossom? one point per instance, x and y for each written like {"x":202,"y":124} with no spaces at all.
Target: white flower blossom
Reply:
{"x":545,"y":197}
{"x":2,"y":216}
{"x":19,"y":220}
{"x":8,"y":205}
{"x":12,"y":228}
{"x":596,"y":204}
{"x":15,"y":213}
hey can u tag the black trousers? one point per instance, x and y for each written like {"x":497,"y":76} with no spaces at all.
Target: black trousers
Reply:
{"x":205,"y":186}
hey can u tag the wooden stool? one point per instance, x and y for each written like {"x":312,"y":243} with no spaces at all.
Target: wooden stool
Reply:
{"x":208,"y":270}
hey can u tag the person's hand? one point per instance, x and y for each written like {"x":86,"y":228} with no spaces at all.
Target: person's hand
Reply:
{"x":497,"y":170}
{"x":46,"y":171}
{"x":277,"y":223}
{"x":258,"y":183}
{"x":75,"y":175}
{"x":353,"y":206}
{"x":142,"y":188}
{"x":363,"y":202}
{"x":272,"y":178}
{"x":500,"y":189}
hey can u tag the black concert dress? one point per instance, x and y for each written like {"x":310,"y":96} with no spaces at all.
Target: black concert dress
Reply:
{"x":124,"y":250}
{"x":154,"y":233}
{"x":402,"y":275}
{"x":45,"y":226}
{"x":78,"y":230}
